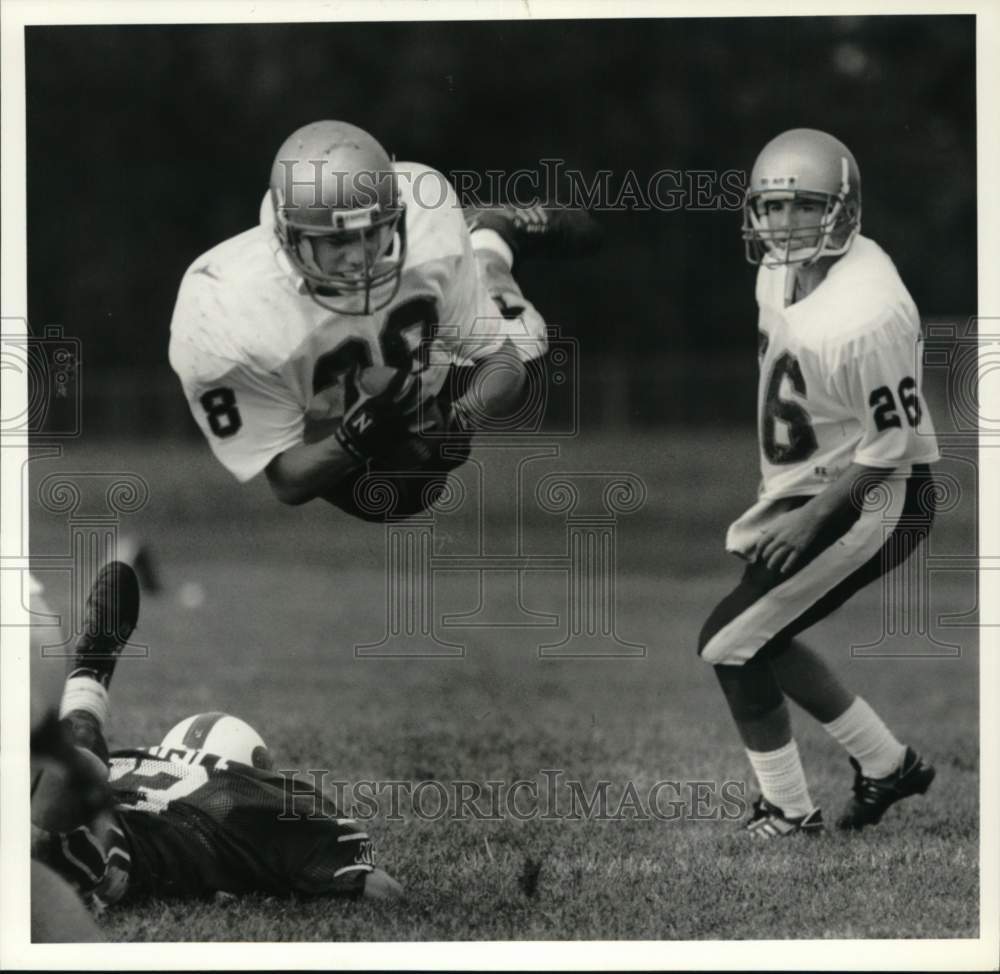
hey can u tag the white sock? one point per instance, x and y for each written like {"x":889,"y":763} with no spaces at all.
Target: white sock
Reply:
{"x":87,"y":694}
{"x":485,"y":239}
{"x":861,"y":732}
{"x":782,"y":780}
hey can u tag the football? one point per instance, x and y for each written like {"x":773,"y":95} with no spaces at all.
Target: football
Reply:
{"x":403,"y":484}
{"x":371,"y":381}
{"x":375,"y":379}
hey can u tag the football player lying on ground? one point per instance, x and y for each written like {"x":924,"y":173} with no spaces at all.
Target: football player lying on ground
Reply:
{"x":360,"y":262}
{"x":200,"y":813}
{"x":846,"y":493}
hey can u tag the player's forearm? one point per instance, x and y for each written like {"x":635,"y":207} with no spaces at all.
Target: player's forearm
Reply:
{"x":840,"y":496}
{"x":309,"y":469}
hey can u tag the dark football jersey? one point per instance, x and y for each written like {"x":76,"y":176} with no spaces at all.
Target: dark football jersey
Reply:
{"x":197,"y":824}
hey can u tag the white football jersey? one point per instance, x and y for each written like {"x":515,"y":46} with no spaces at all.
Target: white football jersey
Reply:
{"x":840,"y":376}
{"x":259,"y":358}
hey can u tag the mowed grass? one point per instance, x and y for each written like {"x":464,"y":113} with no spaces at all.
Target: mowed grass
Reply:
{"x":261,"y":609}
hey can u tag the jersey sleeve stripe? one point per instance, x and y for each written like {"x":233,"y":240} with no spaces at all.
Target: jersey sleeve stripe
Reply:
{"x":77,"y":862}
{"x":352,"y":869}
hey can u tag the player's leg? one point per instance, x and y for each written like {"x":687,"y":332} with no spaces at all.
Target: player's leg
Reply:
{"x":535,"y":231}
{"x":806,"y":679}
{"x":112,"y":612}
{"x":74,"y":831}
{"x":760,"y":712}
{"x":69,"y":787}
{"x":77,"y":737}
{"x":885,"y":769}
{"x":502,"y":235}
{"x":761,"y":619}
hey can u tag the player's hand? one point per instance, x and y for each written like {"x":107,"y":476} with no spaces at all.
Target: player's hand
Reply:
{"x":417,"y":445}
{"x":783,"y":542}
{"x":384,"y":403}
{"x":379,"y":885}
{"x":435,"y":440}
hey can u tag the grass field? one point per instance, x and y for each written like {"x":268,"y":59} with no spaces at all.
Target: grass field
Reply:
{"x":258,"y":616}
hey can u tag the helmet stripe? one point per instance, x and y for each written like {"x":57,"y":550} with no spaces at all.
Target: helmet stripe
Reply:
{"x":199,"y":729}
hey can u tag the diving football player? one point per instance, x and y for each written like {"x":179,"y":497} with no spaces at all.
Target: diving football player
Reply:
{"x":360,"y":261}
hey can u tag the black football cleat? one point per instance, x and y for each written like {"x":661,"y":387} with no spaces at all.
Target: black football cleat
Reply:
{"x":770,"y":822}
{"x":873,"y":796}
{"x":539,"y":230}
{"x":111,"y":616}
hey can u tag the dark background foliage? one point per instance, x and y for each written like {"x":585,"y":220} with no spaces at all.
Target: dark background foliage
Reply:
{"x":148,"y":145}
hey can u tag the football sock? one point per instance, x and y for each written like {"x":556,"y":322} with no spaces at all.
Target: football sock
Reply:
{"x":861,"y":732}
{"x":486,"y":239}
{"x":782,"y":780}
{"x":83,"y":691}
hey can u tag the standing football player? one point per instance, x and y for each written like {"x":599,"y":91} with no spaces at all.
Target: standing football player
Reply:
{"x":367,"y":323}
{"x":200,"y":813}
{"x":846,"y":491}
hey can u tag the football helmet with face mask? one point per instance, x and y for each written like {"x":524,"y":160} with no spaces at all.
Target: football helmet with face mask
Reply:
{"x":802,"y":166}
{"x":338,"y":216}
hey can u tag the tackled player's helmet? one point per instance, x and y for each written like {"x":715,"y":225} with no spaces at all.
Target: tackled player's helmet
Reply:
{"x":222,"y":735}
{"x":338,"y":216}
{"x":802,"y":164}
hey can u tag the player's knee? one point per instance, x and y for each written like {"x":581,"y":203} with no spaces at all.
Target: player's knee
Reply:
{"x":714,"y":624}
{"x":708,"y":630}
{"x":725,"y":640}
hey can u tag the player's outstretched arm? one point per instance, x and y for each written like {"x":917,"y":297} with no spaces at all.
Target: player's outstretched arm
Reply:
{"x":309,"y":469}
{"x":783,"y":541}
{"x":379,"y":885}
{"x":384,"y":401}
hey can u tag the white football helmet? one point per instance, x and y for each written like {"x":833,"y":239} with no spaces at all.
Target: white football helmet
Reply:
{"x":802,"y":164}
{"x":338,"y":216}
{"x":222,"y":735}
